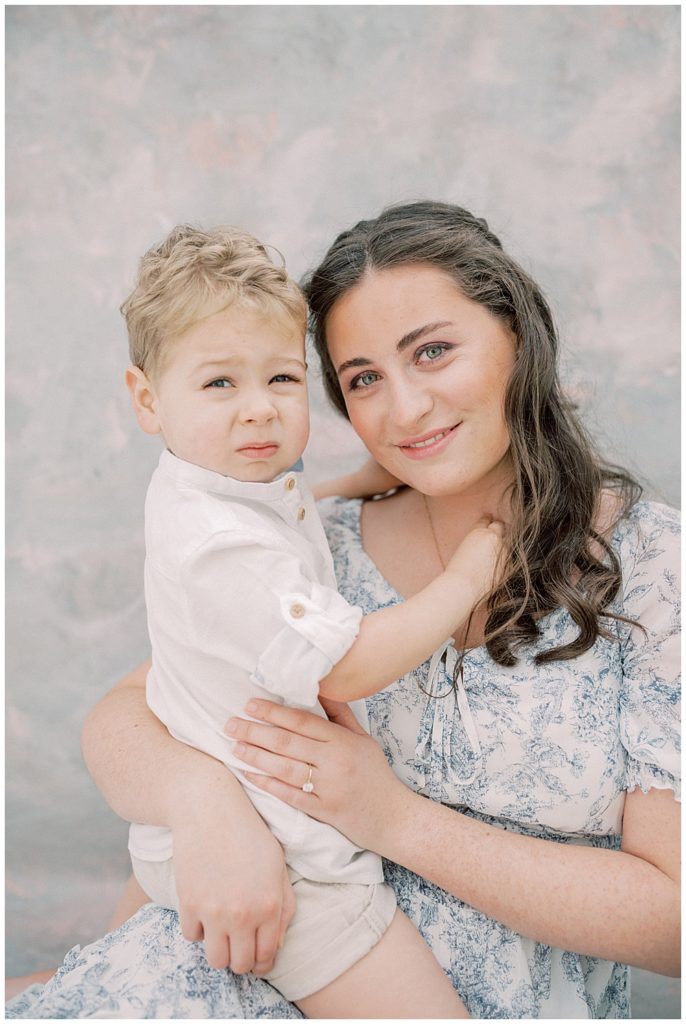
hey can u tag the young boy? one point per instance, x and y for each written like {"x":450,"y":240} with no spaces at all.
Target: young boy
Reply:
{"x":242,"y":600}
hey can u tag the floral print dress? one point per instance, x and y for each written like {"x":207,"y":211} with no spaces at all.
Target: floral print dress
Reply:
{"x":546,"y":751}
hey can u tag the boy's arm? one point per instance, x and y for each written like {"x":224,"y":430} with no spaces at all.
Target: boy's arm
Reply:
{"x":229,"y":867}
{"x":393,"y":641}
{"x":365,"y":482}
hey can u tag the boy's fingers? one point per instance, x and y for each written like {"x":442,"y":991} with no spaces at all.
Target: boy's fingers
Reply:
{"x":191,"y":928}
{"x":242,"y":950}
{"x":266,"y":946}
{"x":341,"y":714}
{"x":217,"y":949}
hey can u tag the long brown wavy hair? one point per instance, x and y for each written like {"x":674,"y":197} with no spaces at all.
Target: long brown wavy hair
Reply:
{"x":556,"y":556}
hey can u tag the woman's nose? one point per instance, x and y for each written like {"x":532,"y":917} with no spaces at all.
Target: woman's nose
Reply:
{"x":409,"y":402}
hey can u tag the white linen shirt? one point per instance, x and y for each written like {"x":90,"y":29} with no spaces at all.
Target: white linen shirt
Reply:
{"x":242,"y":602}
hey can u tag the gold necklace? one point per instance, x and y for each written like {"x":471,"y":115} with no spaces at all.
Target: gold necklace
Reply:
{"x":433,"y":530}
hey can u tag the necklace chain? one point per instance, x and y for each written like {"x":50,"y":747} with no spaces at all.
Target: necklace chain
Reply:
{"x":433,"y":530}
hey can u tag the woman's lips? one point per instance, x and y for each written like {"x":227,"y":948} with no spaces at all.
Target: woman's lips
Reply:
{"x":428,"y":444}
{"x":259,"y":451}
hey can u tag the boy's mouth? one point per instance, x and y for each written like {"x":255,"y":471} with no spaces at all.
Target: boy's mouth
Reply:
{"x":261,"y":450}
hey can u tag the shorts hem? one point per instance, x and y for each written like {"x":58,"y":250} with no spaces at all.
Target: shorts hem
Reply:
{"x":330,"y":961}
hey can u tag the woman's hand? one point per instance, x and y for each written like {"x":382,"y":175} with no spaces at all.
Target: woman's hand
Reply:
{"x":354,"y":788}
{"x":234,"y":891}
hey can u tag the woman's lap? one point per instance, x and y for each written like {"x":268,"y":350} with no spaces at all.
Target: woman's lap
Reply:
{"x":146,"y":969}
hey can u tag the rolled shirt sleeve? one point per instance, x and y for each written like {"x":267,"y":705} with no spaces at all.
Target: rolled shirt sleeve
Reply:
{"x":255,"y":606}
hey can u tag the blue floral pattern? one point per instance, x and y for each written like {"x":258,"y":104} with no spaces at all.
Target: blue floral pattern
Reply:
{"x":546,"y":751}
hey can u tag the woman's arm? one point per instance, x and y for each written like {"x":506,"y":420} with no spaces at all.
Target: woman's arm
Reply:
{"x":616,"y":905}
{"x":230,"y":872}
{"x":365,"y":482}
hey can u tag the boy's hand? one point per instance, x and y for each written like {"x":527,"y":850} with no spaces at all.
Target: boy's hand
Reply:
{"x":365,"y":482}
{"x":234,"y":891}
{"x":476,"y":559}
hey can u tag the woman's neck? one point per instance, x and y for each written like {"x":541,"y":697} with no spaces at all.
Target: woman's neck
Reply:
{"x":428,"y":528}
{"x":453,"y":515}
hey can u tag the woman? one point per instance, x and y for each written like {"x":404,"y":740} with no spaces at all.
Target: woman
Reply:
{"x":545,"y":738}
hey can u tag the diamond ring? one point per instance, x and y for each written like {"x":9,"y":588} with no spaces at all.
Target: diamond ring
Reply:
{"x":308,"y":787}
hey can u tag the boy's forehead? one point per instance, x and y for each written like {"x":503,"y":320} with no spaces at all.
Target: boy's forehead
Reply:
{"x":240,"y":334}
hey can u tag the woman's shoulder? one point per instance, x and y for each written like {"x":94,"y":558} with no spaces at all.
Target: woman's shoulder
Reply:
{"x":646,"y":524}
{"x":646,"y":541}
{"x":341,"y":521}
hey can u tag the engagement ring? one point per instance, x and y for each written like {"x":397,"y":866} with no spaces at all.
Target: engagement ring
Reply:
{"x":309,"y":785}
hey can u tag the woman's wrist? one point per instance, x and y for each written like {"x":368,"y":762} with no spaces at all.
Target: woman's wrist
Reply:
{"x":389,"y":821}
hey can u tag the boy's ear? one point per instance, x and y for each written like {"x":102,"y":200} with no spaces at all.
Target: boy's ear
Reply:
{"x":144,"y":400}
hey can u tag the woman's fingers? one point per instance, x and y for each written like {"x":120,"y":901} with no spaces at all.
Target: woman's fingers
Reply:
{"x":306,"y":802}
{"x":293,"y":772}
{"x":295,"y":720}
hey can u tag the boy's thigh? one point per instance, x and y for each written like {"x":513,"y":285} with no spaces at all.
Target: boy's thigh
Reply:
{"x":156,"y":878}
{"x":334,"y":926}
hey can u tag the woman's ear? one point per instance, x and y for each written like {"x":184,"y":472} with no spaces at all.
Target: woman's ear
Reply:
{"x":144,"y":400}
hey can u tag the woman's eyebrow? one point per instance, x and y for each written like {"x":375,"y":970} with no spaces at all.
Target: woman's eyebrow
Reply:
{"x":358,"y":361}
{"x":406,"y":340}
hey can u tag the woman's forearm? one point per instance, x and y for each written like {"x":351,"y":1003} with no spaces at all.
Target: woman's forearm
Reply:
{"x":598,"y":902}
{"x":609,"y":904}
{"x":144,"y":773}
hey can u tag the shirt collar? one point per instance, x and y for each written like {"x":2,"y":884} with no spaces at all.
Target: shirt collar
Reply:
{"x":215,"y":483}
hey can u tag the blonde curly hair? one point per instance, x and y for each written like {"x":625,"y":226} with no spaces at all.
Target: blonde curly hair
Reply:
{"x":195,"y":273}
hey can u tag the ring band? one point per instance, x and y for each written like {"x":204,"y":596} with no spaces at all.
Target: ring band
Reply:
{"x":308,"y":787}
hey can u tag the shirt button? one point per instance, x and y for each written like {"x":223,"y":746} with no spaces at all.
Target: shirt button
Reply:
{"x":297,"y":611}
{"x":290,"y":483}
{"x":301,"y":513}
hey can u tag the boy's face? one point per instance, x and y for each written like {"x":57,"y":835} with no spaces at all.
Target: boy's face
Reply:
{"x":232,"y":396}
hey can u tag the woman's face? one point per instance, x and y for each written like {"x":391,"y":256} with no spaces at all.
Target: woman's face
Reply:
{"x":424,"y":372}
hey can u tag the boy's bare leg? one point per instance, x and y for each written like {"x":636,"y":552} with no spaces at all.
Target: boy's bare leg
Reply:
{"x":399,"y":978}
{"x":131,"y":900}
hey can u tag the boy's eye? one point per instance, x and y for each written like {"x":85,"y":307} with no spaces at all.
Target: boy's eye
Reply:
{"x":220,"y":382}
{"x":281,"y":378}
{"x":363,"y":380}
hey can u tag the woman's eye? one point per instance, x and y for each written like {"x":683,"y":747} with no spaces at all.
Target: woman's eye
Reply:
{"x":363,"y":380}
{"x":432,"y":352}
{"x":220,"y":382}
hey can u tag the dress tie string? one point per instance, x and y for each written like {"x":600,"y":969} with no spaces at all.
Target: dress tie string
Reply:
{"x":430,"y":748}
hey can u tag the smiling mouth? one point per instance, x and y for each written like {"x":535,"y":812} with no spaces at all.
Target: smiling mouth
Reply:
{"x":428,"y":441}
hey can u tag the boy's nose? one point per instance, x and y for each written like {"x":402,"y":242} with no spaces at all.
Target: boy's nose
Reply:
{"x":257,"y":407}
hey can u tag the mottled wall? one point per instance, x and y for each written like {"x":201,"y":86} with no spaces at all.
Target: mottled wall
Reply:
{"x":559,"y":124}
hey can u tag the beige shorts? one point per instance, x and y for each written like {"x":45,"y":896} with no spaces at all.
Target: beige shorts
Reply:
{"x":334,"y":926}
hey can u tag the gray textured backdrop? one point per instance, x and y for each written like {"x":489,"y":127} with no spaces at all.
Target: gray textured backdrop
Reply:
{"x":559,"y":124}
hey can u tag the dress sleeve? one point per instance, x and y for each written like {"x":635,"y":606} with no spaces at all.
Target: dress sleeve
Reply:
{"x":254,"y":606}
{"x":650,"y":697}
